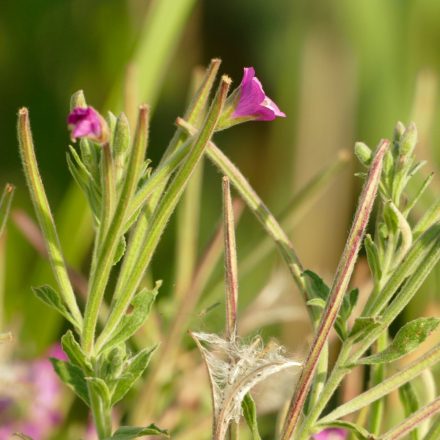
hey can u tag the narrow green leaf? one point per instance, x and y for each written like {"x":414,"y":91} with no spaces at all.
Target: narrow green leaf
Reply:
{"x":363,"y":325}
{"x":44,"y":214}
{"x":120,"y":250}
{"x":74,"y":351}
{"x":358,"y":431}
{"x":389,"y":384}
{"x":51,"y":297}
{"x":130,"y":432}
{"x":373,"y":257}
{"x":73,"y":377}
{"x":100,"y":389}
{"x":250,"y":415}
{"x":316,"y":287}
{"x":136,"y":366}
{"x":407,"y":339}
{"x":131,"y":322}
{"x":316,"y":302}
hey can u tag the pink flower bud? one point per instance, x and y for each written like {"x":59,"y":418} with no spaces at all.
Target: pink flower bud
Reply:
{"x":86,"y":122}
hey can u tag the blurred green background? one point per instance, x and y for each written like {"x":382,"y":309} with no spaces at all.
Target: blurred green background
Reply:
{"x":341,"y":70}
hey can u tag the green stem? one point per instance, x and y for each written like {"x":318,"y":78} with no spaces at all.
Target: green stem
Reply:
{"x":99,"y":277}
{"x":391,"y":383}
{"x":165,"y":209}
{"x":44,"y":215}
{"x":409,"y":424}
{"x":339,"y":286}
{"x":172,"y":157}
{"x":378,"y":376}
{"x":231,"y":275}
{"x":257,"y":206}
{"x":101,"y":415}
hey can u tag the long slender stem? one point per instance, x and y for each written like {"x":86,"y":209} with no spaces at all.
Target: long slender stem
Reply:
{"x":44,"y":215}
{"x":391,"y":383}
{"x":184,"y":308}
{"x":256,"y":205}
{"x":340,"y":283}
{"x":409,"y":424}
{"x":231,"y":275}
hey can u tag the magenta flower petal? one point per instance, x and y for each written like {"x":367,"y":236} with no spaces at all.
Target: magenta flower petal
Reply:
{"x":253,"y":101}
{"x":331,"y":434}
{"x":85,"y":122}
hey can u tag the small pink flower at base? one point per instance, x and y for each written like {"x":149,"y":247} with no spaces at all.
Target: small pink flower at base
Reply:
{"x":86,"y":122}
{"x":253,"y":102}
{"x":30,"y":398}
{"x":331,"y":434}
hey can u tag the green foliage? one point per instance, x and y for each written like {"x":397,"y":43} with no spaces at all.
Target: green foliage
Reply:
{"x":73,"y":377}
{"x":407,"y":339}
{"x":250,"y":415}
{"x":319,"y":292}
{"x":130,"y":432}
{"x":133,"y":369}
{"x":132,"y":321}
{"x":51,"y":297}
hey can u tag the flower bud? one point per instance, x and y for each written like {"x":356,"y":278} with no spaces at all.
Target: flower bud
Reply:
{"x":363,"y":153}
{"x":86,"y":122}
{"x":408,"y":140}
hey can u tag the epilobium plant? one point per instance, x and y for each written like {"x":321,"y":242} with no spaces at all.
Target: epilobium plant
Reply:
{"x":131,"y":204}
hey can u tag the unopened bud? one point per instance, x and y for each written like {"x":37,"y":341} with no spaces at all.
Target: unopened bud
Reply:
{"x":363,"y":153}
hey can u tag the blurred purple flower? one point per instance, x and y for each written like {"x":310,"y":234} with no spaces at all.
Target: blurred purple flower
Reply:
{"x":331,"y":434}
{"x":30,"y":396}
{"x":253,"y":102}
{"x":86,"y":122}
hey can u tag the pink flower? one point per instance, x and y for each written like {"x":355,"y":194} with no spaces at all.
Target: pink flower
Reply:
{"x":86,"y":122}
{"x":331,"y":434}
{"x":253,"y":102}
{"x":30,"y":396}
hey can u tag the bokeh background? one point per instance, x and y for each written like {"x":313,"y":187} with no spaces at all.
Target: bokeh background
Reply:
{"x":342,"y":71}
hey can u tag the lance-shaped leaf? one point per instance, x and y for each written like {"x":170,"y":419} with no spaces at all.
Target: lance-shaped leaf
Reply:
{"x":51,"y":297}
{"x":132,"y":321}
{"x":134,"y":369}
{"x":75,"y":353}
{"x":73,"y":377}
{"x":407,"y":339}
{"x":250,"y":415}
{"x":234,"y":368}
{"x":130,"y":432}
